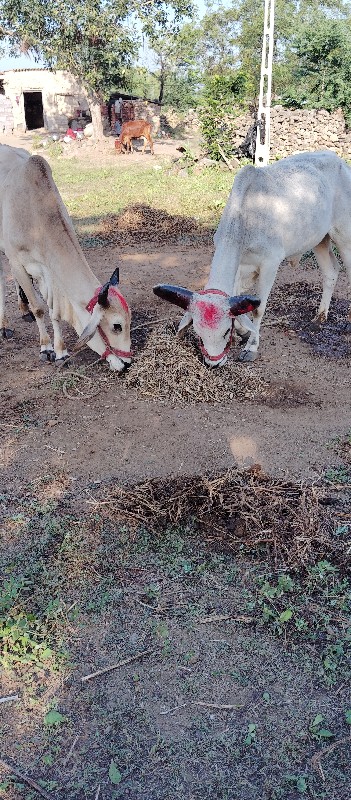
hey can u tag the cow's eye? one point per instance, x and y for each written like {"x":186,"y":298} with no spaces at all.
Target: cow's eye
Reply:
{"x":117,"y":328}
{"x":226,"y":333}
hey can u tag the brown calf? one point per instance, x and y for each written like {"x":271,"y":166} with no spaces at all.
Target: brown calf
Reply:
{"x":136,"y":129}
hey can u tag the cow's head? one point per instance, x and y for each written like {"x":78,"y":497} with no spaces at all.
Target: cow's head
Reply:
{"x":212,"y":314}
{"x":118,"y":146}
{"x":109,"y":324}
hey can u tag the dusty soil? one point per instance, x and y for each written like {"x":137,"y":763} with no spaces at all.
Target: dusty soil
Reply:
{"x":106,"y":431}
{"x":211,"y":695}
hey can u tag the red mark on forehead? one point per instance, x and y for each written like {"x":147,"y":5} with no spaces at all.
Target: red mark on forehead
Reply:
{"x":121,"y":299}
{"x":211,"y":315}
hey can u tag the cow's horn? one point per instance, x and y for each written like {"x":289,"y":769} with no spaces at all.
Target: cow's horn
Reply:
{"x":174,"y":294}
{"x":243,"y":304}
{"x":103,"y":295}
{"x":114,"y":280}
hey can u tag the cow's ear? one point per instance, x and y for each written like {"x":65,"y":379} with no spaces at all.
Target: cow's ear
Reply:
{"x":174,"y":294}
{"x":90,"y":328}
{"x":103,"y":296}
{"x":114,"y":280}
{"x":242,"y":304}
{"x":185,"y":321}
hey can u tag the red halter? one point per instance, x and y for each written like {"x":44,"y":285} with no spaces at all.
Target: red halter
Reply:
{"x":90,"y":307}
{"x":229,"y":343}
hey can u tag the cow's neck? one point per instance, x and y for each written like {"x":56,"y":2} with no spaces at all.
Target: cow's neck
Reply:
{"x":224,"y":267}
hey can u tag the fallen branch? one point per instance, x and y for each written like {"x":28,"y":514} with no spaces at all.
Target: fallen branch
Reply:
{"x":315,"y":760}
{"x":224,"y":618}
{"x":116,"y":666}
{"x":68,"y":756}
{"x":26,"y":779}
{"x":9,"y":698}
{"x":224,"y":156}
{"x":218,"y":706}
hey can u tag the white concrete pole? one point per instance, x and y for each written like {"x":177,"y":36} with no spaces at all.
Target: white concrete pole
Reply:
{"x":264,"y":103}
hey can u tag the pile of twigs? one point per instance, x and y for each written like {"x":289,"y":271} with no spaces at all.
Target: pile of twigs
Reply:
{"x":169,"y":370}
{"x":244,"y":510}
{"x":142,"y":223}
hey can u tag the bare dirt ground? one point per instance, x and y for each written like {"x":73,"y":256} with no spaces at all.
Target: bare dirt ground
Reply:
{"x":114,"y":433}
{"x":222,"y":661}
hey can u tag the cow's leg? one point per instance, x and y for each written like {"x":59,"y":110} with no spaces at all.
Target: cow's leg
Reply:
{"x":23,"y":306}
{"x":345,"y":253}
{"x":59,"y":346}
{"x":5,"y":331}
{"x":144,"y":143}
{"x":329,"y":266}
{"x":37,"y":308}
{"x":265,"y":282}
{"x":151,"y":145}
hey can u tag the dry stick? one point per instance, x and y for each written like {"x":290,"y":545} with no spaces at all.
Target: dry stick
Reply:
{"x":218,"y":706}
{"x":68,"y":756}
{"x":150,"y":322}
{"x":224,"y":156}
{"x":315,"y":760}
{"x":116,"y":666}
{"x":9,"y":698}
{"x":97,"y":793}
{"x":26,"y":779}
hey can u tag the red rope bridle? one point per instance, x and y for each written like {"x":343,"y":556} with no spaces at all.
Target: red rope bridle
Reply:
{"x":229,"y":343}
{"x":110,"y":351}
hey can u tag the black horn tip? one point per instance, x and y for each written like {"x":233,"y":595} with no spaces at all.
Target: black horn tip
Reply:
{"x":243,"y":304}
{"x":114,"y":280}
{"x":103,"y":295}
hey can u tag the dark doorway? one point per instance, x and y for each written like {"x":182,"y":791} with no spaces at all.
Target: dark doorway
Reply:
{"x":33,"y":110}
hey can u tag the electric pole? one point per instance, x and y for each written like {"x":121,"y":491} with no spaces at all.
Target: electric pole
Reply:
{"x":264,"y":103}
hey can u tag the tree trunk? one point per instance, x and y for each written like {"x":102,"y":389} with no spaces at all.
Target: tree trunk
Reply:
{"x":162,"y":86}
{"x":95,"y":110}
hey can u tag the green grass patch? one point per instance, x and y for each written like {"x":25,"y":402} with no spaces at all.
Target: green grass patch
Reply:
{"x":90,"y":192}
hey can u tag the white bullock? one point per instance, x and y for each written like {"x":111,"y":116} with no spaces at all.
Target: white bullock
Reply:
{"x":38,"y":238}
{"x":298,"y":204}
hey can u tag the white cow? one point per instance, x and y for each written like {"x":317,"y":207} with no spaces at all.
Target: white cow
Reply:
{"x":38,"y":238}
{"x":300,"y":203}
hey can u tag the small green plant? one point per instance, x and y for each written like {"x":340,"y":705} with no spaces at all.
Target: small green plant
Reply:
{"x":251,"y":734}
{"x":317,"y":731}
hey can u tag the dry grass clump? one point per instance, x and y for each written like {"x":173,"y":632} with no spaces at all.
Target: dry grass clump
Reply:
{"x":240,"y":509}
{"x":142,"y":223}
{"x":169,"y":369}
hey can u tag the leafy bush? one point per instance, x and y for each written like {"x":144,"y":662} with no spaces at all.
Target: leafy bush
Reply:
{"x":223,"y":96}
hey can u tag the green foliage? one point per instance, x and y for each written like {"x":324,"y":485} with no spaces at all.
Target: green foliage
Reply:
{"x":114,"y":774}
{"x":23,"y":637}
{"x":220,"y":105}
{"x":53,"y":718}
{"x":322,"y":71}
{"x":94,"y":39}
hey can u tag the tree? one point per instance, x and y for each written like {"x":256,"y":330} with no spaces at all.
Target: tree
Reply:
{"x":323,"y":65}
{"x":174,"y":56}
{"x":94,"y":39}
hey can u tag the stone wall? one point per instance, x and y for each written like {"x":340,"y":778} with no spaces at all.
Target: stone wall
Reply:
{"x":294,"y":131}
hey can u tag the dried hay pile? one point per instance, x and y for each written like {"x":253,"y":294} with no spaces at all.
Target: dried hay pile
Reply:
{"x":142,"y":223}
{"x":240,"y":509}
{"x":169,"y":370}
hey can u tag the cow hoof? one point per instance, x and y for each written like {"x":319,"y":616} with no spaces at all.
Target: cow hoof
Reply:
{"x":60,"y":361}
{"x":48,"y":355}
{"x":6,"y":333}
{"x":247,"y":356}
{"x":28,"y":316}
